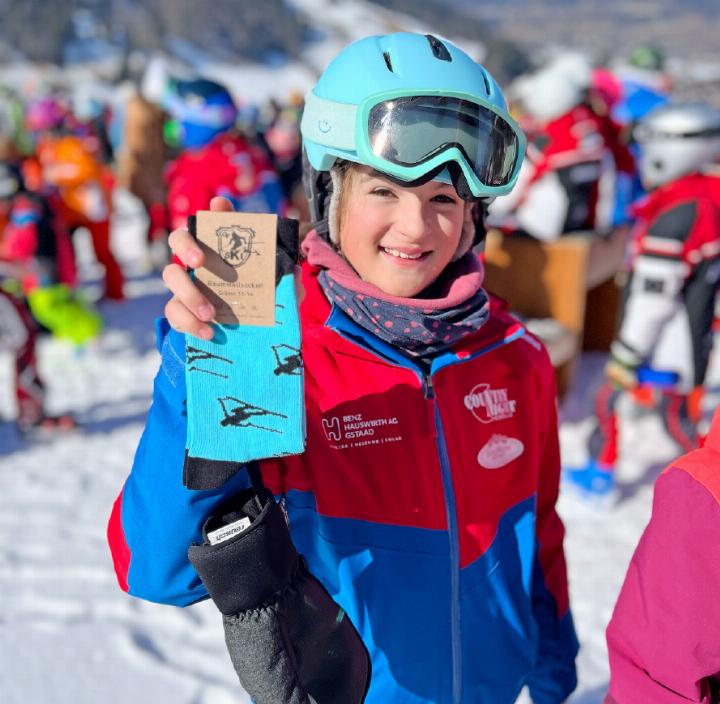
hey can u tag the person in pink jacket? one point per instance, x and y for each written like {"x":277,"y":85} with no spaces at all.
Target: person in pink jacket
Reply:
{"x":663,"y":638}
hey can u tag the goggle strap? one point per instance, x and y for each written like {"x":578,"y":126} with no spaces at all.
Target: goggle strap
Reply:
{"x":329,"y":123}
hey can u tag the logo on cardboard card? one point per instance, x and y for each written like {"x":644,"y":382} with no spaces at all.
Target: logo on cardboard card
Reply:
{"x":235,"y":244}
{"x":238,"y":276}
{"x":489,"y":405}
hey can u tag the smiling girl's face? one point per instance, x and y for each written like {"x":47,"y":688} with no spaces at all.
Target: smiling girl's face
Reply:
{"x":400,"y":239}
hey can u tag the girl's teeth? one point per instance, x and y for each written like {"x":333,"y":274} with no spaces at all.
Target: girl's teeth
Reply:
{"x":402,"y":255}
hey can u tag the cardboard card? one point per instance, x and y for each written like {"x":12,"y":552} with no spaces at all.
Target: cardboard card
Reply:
{"x":239,"y":273}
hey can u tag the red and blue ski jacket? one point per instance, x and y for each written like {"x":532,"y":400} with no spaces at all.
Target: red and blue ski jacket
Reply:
{"x":424,"y":502}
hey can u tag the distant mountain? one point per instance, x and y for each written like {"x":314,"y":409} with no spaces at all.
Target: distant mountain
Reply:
{"x":303,"y":35}
{"x":606,"y":27}
{"x":230,"y":29}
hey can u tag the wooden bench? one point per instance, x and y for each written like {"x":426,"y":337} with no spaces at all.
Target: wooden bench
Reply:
{"x":570,"y":280}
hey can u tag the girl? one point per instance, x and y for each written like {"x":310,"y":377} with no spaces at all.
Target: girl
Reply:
{"x":425,"y":498}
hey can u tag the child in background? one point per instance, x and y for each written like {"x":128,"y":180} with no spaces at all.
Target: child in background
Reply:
{"x":69,"y":173}
{"x":665,"y":336}
{"x":575,"y":161}
{"x":28,"y":257}
{"x":215,"y":159}
{"x":85,"y":197}
{"x":425,"y":498}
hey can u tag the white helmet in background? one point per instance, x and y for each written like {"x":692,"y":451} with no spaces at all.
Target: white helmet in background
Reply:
{"x":677,"y":139}
{"x":154,"y":84}
{"x":554,"y":89}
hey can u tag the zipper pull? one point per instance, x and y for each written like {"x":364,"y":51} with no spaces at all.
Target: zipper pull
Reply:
{"x":283,"y":507}
{"x":427,"y":385}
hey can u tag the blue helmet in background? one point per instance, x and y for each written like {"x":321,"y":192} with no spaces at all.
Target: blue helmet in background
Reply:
{"x":202,"y":108}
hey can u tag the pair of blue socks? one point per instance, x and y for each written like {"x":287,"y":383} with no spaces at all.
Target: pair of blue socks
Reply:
{"x":245,"y":393}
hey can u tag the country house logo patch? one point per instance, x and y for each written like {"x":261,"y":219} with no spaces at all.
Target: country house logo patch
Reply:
{"x":488,"y":405}
{"x":499,"y":450}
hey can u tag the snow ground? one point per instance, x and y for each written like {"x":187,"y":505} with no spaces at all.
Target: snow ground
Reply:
{"x":67,"y":632}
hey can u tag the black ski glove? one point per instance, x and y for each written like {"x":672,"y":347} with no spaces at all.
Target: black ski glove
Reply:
{"x":289,"y":642}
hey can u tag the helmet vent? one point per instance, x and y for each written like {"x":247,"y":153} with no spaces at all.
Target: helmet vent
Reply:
{"x":439,"y":50}
{"x":388,"y":62}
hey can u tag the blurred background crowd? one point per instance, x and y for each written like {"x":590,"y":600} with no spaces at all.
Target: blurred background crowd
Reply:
{"x":167,"y":104}
{"x":173,"y":121}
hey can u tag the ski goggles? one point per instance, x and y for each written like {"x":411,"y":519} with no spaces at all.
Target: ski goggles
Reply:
{"x":409,"y":137}
{"x":642,"y":133}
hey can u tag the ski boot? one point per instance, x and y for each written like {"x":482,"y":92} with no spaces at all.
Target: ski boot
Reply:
{"x":594,"y":479}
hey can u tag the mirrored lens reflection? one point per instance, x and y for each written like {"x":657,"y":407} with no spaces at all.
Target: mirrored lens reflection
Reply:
{"x":410,"y":131}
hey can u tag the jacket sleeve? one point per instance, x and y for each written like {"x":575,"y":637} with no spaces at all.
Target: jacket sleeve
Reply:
{"x":663,"y":635}
{"x":652,"y":299}
{"x":554,"y":676}
{"x":155,"y":518}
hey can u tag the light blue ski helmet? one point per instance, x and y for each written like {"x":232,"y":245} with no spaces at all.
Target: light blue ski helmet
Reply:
{"x":413,"y":107}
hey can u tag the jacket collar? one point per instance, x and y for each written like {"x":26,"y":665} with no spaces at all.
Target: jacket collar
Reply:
{"x":319,"y":318}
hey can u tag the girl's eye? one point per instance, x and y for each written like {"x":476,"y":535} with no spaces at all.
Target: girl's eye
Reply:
{"x":382,"y":192}
{"x":442,"y":198}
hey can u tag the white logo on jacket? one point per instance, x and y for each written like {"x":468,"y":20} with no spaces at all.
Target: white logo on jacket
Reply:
{"x":488,"y":405}
{"x":499,"y":450}
{"x":355,"y":430}
{"x":332,"y":429}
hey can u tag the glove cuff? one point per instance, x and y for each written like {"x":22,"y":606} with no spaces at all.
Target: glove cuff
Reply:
{"x":250,"y":568}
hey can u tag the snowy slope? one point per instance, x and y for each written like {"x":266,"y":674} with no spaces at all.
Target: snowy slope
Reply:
{"x":67,"y":633}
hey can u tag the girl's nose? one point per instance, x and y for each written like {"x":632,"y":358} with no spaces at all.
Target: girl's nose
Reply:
{"x":413,"y":220}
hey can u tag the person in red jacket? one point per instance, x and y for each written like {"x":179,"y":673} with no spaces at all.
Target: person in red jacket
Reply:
{"x":29,"y":256}
{"x":215,"y":159}
{"x":664,"y":341}
{"x":663,"y":635}
{"x":576,"y":162}
{"x":424,"y":499}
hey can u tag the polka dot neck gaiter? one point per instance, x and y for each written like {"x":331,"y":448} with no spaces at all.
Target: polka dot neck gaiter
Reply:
{"x":417,"y":331}
{"x":456,"y":306}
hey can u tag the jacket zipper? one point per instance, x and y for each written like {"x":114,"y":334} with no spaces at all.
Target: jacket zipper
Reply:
{"x":451,"y":512}
{"x":450,"y":508}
